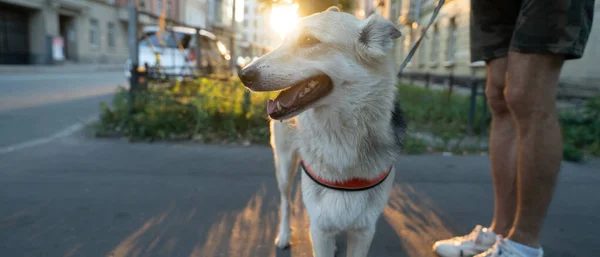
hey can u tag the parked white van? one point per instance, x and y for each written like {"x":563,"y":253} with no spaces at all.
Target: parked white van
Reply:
{"x":176,"y":51}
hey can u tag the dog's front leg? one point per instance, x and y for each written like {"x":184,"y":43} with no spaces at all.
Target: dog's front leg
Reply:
{"x":323,"y":242}
{"x":287,"y":163}
{"x":359,"y":241}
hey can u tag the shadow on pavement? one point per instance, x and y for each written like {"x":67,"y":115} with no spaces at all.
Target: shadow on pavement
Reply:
{"x":408,"y":227}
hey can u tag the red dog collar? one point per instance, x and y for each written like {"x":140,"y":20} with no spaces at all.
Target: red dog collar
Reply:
{"x":353,"y":184}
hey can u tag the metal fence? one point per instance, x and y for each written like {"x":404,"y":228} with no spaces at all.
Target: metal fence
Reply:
{"x":566,"y":93}
{"x":476,"y":86}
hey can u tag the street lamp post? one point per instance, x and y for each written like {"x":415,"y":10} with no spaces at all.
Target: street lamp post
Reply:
{"x":232,"y":43}
{"x":133,"y":52}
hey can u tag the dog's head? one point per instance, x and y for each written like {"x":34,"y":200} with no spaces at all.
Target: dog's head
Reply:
{"x":328,"y":59}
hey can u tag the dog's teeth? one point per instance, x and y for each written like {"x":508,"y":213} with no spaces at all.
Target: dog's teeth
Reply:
{"x":312,"y":83}
{"x":301,"y":94}
{"x":306,"y":90}
{"x":279,"y":106}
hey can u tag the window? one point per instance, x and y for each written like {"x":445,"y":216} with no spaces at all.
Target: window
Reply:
{"x":111,"y":35}
{"x":94,"y":34}
{"x":433,"y":58}
{"x":159,"y":6}
{"x":219,"y":11}
{"x":409,"y":42}
{"x":168,"y":39}
{"x":169,"y":10}
{"x":423,"y":50}
{"x":451,"y":49}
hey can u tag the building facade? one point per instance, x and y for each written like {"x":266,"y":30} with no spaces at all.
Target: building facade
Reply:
{"x":79,"y":31}
{"x":195,"y":12}
{"x":255,"y":36}
{"x":445,"y":51}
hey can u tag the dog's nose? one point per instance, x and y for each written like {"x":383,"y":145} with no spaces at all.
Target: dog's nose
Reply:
{"x":248,"y":76}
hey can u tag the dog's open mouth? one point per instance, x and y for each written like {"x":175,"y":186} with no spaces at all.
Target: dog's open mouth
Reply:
{"x":299,"y":96}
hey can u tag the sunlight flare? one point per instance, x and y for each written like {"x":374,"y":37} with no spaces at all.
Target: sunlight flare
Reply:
{"x":283,"y":18}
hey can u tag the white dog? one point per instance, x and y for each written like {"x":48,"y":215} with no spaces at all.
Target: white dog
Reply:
{"x":340,"y":121}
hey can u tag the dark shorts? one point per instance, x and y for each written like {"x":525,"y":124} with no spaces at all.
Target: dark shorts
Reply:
{"x":529,"y":26}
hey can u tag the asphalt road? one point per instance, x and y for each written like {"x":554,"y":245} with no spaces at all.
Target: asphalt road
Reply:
{"x":36,"y":106}
{"x":77,"y":196}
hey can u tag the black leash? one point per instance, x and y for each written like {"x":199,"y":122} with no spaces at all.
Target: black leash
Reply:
{"x":414,"y":47}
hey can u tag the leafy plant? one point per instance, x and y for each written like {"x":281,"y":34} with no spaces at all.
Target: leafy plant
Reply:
{"x":213,"y":110}
{"x":433,"y":111}
{"x":216,"y":110}
{"x":414,"y":145}
{"x":581,"y":130}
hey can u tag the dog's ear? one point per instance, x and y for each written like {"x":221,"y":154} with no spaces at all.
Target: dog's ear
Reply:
{"x":333,"y":9}
{"x":378,"y":34}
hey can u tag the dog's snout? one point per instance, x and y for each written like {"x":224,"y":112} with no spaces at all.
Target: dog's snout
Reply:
{"x":248,"y":76}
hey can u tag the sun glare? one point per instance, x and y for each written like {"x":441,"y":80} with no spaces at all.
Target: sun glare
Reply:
{"x":284,"y":18}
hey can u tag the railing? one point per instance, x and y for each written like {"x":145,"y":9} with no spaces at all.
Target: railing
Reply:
{"x":474,"y":84}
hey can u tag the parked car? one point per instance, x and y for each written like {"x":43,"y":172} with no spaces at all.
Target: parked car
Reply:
{"x":176,"y":51}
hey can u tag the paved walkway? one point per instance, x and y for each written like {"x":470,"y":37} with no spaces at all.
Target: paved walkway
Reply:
{"x":83,"y":197}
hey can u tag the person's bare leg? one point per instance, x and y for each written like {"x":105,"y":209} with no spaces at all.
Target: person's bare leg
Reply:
{"x":530,"y":94}
{"x":503,"y":148}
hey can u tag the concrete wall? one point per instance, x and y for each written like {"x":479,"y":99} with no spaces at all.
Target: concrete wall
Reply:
{"x":103,"y":53}
{"x":37,"y":37}
{"x":44,"y":23}
{"x":195,"y":12}
{"x":586,"y":71}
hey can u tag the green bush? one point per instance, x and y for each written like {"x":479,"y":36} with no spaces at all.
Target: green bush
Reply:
{"x":445,"y":116}
{"x":213,"y":110}
{"x":581,"y":130}
{"x":413,"y":145}
{"x":223,"y":110}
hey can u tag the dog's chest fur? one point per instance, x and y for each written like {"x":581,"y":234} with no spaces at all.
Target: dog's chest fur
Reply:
{"x":341,"y":210}
{"x":338,"y":146}
{"x":330,"y":145}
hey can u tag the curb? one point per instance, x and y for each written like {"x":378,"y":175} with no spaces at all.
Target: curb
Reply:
{"x":71,"y":68}
{"x":477,"y":143}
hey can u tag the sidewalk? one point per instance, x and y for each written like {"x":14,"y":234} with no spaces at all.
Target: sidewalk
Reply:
{"x":102,"y":197}
{"x":65,"y":68}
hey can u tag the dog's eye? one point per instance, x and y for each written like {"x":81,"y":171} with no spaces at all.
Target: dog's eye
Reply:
{"x":307,"y":40}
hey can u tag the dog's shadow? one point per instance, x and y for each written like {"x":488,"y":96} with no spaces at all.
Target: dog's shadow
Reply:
{"x":409,"y":226}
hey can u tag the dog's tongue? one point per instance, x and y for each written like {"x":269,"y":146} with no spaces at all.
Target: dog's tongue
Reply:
{"x":285,"y":99}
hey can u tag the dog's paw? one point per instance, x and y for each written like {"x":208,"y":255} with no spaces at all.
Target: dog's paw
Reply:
{"x":283,"y":240}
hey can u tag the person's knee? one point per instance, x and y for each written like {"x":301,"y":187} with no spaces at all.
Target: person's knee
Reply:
{"x":495,"y":97}
{"x":495,"y":85}
{"x":526,"y":105}
{"x":531,"y":86}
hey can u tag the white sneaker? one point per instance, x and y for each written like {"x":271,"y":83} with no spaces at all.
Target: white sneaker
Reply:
{"x":478,"y":241}
{"x":503,"y":248}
